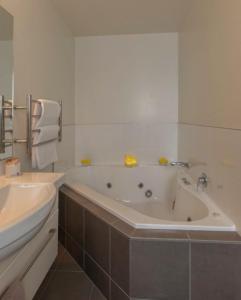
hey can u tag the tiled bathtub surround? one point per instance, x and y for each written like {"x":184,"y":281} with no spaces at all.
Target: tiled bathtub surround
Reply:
{"x":215,"y":151}
{"x":126,"y":97}
{"x":66,"y":149}
{"x":128,"y":263}
{"x":108,"y":143}
{"x":126,"y":78}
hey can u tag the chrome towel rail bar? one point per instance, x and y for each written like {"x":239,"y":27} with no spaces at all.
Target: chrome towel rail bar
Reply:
{"x":30,"y":130}
{"x":5,"y":105}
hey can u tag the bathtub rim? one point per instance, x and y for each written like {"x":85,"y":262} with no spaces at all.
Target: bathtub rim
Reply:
{"x":133,"y":217}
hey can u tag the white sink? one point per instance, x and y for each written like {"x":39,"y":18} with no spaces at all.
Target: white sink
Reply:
{"x":23,"y":210}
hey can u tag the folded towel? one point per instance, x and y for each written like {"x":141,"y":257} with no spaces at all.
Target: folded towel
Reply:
{"x":14,"y":292}
{"x":49,"y":112}
{"x":45,"y":154}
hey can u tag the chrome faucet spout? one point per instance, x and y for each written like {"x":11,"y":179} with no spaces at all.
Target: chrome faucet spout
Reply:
{"x":180,"y":164}
{"x":202,"y":181}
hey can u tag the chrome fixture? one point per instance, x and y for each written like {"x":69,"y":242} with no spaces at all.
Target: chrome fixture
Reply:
{"x":180,"y":164}
{"x":109,"y":185}
{"x":148,"y":194}
{"x":29,"y":109}
{"x":185,"y":181}
{"x":140,"y":185}
{"x":5,"y":105}
{"x":202,"y":181}
{"x":8,"y":105}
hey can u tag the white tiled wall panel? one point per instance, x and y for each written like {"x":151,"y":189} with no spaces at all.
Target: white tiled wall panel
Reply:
{"x":217,"y":152}
{"x":109,"y":143}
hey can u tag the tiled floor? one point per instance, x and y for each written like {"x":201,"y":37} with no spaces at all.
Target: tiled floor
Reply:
{"x":67,"y":281}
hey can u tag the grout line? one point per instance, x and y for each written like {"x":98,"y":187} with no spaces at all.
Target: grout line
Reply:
{"x":69,"y":271}
{"x":160,"y":239}
{"x":209,"y":126}
{"x":82,"y":271}
{"x":130,"y":262}
{"x":91,"y":291}
{"x":190,"y":271}
{"x":125,"y":123}
{"x":43,"y":290}
{"x":65,"y":251}
{"x":123,"y":290}
{"x":69,"y":125}
{"x":110,"y":269}
{"x":84,"y":235}
{"x":93,"y":260}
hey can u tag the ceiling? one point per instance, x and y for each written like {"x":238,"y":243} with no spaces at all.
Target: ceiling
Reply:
{"x":106,"y":17}
{"x":6,"y":25}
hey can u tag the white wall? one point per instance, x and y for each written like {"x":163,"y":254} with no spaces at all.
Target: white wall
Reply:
{"x":126,"y":97}
{"x":210,"y":64}
{"x":6,"y":80}
{"x":43,"y":65}
{"x":210,"y":93}
{"x":6,"y":63}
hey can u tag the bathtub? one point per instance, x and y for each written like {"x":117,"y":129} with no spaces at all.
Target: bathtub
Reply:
{"x":151,"y":197}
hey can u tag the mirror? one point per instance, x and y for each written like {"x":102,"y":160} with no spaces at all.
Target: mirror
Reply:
{"x":6,"y":83}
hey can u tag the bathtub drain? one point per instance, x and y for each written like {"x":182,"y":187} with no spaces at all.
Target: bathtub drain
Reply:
{"x":189,"y":219}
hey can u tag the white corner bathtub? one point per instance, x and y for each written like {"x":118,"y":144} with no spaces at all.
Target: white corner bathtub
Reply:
{"x":150,"y":197}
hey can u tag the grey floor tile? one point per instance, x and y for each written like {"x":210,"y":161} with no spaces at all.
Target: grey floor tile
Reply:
{"x":44,"y":285}
{"x":96,"y":295}
{"x":117,"y":293}
{"x":61,"y":252}
{"x":68,"y":286}
{"x":65,"y":262}
{"x":67,"y":281}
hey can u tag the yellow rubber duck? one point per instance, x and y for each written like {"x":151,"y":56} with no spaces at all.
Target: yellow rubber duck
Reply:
{"x":163,"y":161}
{"x":86,"y":162}
{"x":130,"y":161}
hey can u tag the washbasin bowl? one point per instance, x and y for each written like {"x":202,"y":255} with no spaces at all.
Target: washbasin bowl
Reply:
{"x":23,"y":210}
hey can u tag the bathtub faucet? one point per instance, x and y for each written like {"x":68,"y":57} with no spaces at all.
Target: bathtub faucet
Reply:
{"x":202,"y":181}
{"x":180,"y":164}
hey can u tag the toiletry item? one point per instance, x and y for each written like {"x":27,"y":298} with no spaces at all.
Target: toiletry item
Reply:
{"x":12,"y":167}
{"x":163,"y":161}
{"x":130,"y":161}
{"x":86,"y":162}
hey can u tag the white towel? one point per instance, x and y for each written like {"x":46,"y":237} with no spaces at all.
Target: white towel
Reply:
{"x":49,"y":112}
{"x":45,"y":154}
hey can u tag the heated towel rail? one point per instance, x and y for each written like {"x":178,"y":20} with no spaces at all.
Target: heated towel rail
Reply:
{"x":29,"y":112}
{"x":5,"y":105}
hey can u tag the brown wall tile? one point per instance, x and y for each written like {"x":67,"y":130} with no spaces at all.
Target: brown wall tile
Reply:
{"x":120,"y":245}
{"x":97,"y":238}
{"x":74,"y":221}
{"x":97,"y":275}
{"x":216,"y":271}
{"x":75,"y":250}
{"x":62,"y":210}
{"x":159,"y":270}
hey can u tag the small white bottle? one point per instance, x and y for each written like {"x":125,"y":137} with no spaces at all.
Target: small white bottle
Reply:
{"x":12,"y":167}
